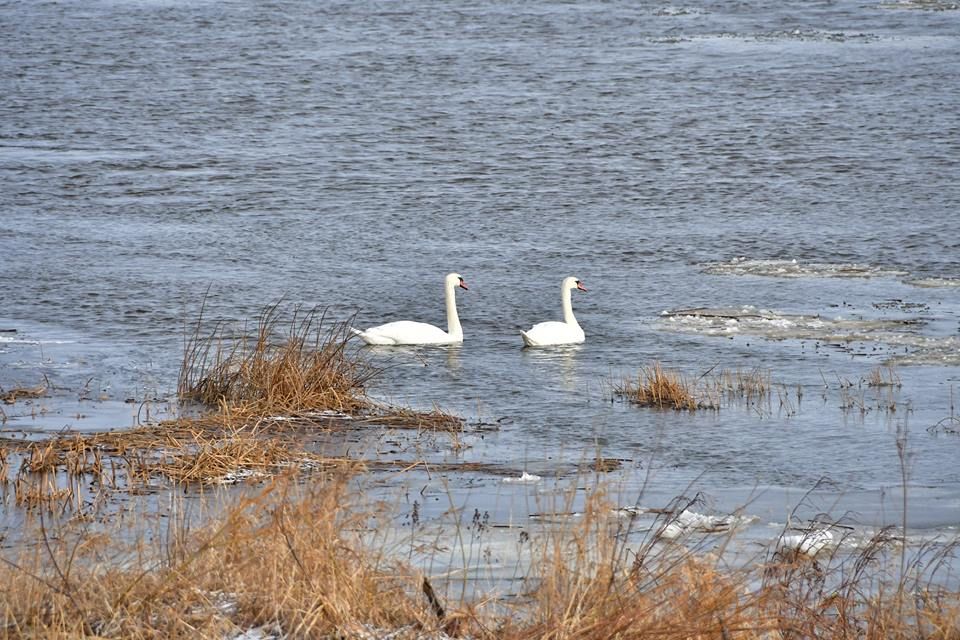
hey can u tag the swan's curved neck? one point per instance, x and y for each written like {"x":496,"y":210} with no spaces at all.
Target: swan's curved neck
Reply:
{"x":567,"y":306}
{"x":453,"y":320}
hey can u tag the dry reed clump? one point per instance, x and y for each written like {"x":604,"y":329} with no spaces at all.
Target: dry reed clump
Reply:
{"x":661,"y":389}
{"x":307,"y":368}
{"x":301,"y":372}
{"x":588,"y":584}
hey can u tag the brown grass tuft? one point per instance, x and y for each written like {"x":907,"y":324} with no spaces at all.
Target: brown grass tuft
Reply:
{"x":660,"y":389}
{"x":307,"y":367}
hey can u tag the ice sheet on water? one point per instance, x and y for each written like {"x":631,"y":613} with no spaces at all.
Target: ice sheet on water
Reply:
{"x":934,"y":283}
{"x":899,"y":334}
{"x":793,"y":269}
{"x":779,"y":326}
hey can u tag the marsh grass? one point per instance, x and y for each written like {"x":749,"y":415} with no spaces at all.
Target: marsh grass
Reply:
{"x":664,"y":389}
{"x":883,"y":377}
{"x":240,"y":456}
{"x":297,"y":559}
{"x":660,"y":389}
{"x":306,"y":366}
{"x":282,"y":558}
{"x":266,"y":399}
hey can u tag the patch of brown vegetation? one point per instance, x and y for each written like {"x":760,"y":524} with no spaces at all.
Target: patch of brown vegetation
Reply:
{"x":11,"y":396}
{"x":307,"y":367}
{"x":663,"y":389}
{"x":241,"y":456}
{"x":292,"y":559}
{"x":883,"y":377}
{"x":265,"y":401}
{"x":660,"y":389}
{"x":283,"y":558}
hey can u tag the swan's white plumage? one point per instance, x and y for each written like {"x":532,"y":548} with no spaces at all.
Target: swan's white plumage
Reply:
{"x":405,"y":332}
{"x":551,"y":333}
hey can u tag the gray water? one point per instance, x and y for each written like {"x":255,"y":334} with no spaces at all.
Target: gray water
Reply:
{"x":349,"y":154}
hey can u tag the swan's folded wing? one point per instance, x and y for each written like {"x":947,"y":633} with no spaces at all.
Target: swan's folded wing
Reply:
{"x":405,"y":332}
{"x":549,"y":333}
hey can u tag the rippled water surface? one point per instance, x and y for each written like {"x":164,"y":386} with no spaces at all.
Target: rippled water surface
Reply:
{"x":739,"y":185}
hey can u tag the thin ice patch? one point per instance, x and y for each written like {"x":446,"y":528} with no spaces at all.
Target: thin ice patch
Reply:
{"x":934,"y":283}
{"x":902,"y":335}
{"x":793,"y":269}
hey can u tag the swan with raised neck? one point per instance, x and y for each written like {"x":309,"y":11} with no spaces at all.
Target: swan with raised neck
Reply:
{"x":551,"y":333}
{"x":405,"y":332}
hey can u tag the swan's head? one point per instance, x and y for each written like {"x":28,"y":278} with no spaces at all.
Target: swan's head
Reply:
{"x":456,"y":280}
{"x":573,"y":283}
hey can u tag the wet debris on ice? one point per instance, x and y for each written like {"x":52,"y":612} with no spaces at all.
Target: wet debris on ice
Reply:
{"x":528,"y":478}
{"x":687,"y":522}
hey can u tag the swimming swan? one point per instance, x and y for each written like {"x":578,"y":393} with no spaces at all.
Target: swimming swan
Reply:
{"x":551,"y":333}
{"x":406,"y":332}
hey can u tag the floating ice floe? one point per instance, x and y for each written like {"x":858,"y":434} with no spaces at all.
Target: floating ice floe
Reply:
{"x":934,"y":283}
{"x":525,"y":478}
{"x":780,"y":326}
{"x":793,"y":269}
{"x":809,"y":543}
{"x":687,"y":522}
{"x":899,"y":334}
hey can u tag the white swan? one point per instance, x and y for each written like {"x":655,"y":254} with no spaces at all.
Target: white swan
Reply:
{"x":406,"y":332}
{"x":551,"y":333}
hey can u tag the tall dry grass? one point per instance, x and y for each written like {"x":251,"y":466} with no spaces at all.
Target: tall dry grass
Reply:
{"x":292,"y":558}
{"x":283,"y":558}
{"x":661,"y":389}
{"x":306,"y":365}
{"x":298,"y":559}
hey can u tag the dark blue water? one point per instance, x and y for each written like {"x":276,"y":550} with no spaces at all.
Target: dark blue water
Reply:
{"x":348,"y":155}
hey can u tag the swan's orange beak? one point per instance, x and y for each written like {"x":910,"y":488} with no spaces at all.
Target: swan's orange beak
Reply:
{"x":463,"y":285}
{"x":580,"y":286}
